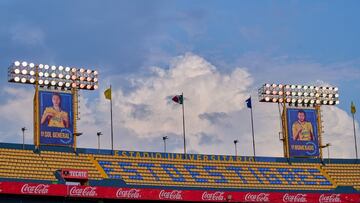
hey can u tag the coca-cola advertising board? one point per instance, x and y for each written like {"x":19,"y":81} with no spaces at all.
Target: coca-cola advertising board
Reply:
{"x":99,"y":192}
{"x":38,"y":189}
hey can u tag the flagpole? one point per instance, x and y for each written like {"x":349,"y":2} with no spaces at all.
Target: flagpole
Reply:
{"x":249,"y":105}
{"x":111,"y":120}
{"x":183,"y":113}
{"x":252,"y":130}
{"x":353,"y":116}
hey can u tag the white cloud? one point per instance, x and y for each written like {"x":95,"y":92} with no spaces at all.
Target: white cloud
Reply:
{"x":339,"y":132}
{"x":148,"y":112}
{"x":17,"y":112}
{"x":214,"y":108}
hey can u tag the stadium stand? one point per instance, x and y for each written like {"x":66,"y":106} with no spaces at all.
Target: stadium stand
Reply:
{"x":135,"y":168}
{"x":344,"y":174}
{"x":115,"y":173}
{"x":59,"y":160}
{"x":23,"y":164}
{"x":215,"y":174}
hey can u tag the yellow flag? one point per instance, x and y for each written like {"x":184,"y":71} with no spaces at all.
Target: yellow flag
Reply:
{"x":107,"y":94}
{"x":353,"y":108}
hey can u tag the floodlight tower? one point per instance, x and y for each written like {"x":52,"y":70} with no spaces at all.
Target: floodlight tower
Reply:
{"x":53,"y":78}
{"x":298,"y":96}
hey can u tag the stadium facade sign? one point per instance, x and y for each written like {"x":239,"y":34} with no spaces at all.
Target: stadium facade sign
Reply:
{"x":193,"y":157}
{"x":98,"y":192}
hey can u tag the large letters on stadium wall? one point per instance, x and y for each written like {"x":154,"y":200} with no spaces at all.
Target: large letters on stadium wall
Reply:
{"x":56,"y":118}
{"x":215,"y":174}
{"x":302,"y":133}
{"x":37,"y":189}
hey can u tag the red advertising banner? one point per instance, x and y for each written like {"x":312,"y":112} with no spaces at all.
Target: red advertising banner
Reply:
{"x":32,"y":189}
{"x":75,"y":174}
{"x":171,"y":195}
{"x":207,"y":196}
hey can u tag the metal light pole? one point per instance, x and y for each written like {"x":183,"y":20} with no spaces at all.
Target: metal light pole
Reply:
{"x":353,"y":111}
{"x":98,"y":134}
{"x":235,"y":142}
{"x":327,"y":145}
{"x":164,"y":139}
{"x":77,"y":135}
{"x":23,"y":132}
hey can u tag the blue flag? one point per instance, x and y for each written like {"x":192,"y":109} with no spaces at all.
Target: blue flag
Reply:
{"x":248,"y":103}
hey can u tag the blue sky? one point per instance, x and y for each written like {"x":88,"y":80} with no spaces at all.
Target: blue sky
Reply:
{"x":302,"y":42}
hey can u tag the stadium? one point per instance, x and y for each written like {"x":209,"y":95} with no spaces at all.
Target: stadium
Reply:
{"x":54,"y":169}
{"x":28,"y":175}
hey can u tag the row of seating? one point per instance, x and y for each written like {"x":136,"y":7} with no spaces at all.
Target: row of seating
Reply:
{"x":26,"y":164}
{"x":23,"y":164}
{"x":344,"y":174}
{"x":58,"y":160}
{"x":196,"y":173}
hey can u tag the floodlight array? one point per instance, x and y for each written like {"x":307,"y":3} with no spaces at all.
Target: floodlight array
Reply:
{"x":62,"y":77}
{"x":302,"y":95}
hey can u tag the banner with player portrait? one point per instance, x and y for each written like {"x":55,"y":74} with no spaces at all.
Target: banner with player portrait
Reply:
{"x":56,"y":118}
{"x":302,"y":132}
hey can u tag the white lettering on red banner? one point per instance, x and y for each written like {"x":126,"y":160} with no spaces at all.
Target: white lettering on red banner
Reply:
{"x":173,"y":194}
{"x":324,"y":198}
{"x":83,"y":192}
{"x":35,"y":189}
{"x":129,"y":194}
{"x":294,"y":198}
{"x":74,"y":174}
{"x":261,"y":197}
{"x":214,"y":196}
{"x":82,"y":174}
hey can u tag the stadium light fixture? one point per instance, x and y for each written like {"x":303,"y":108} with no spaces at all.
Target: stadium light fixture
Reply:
{"x":78,"y":134}
{"x":23,"y":134}
{"x":53,"y":76}
{"x":98,"y":135}
{"x":164,"y":139}
{"x":235,"y":142}
{"x":299,"y":95}
{"x":327,"y":145}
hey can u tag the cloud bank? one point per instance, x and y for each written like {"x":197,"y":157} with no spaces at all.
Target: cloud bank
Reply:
{"x":215,"y":113}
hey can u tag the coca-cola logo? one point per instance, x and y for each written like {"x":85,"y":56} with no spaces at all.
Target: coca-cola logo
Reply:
{"x":173,"y":195}
{"x":83,"y":192}
{"x":261,"y":197}
{"x":324,"y":198}
{"x":35,"y":189}
{"x":214,"y":196}
{"x":128,"y":194}
{"x":294,"y":198}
